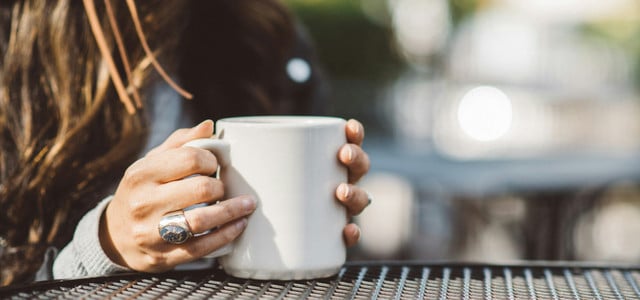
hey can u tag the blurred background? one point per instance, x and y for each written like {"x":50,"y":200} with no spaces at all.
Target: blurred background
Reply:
{"x":498,"y":130}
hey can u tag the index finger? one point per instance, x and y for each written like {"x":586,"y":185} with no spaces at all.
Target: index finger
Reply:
{"x":355,"y":132}
{"x":171,"y":165}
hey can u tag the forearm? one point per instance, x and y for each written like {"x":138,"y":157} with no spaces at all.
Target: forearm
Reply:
{"x":84,"y":256}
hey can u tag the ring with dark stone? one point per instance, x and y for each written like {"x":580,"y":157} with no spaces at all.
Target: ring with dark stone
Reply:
{"x":173,"y":228}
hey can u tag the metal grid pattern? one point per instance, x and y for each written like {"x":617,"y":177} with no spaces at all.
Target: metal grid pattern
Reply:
{"x":359,"y":281}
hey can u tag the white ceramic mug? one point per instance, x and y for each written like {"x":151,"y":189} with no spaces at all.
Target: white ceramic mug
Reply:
{"x":290,"y":164}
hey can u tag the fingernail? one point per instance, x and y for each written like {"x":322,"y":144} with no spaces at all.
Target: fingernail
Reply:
{"x":202,"y":124}
{"x":347,"y":153}
{"x":354,"y":127}
{"x":249,"y":203}
{"x":344,"y":190}
{"x":241,"y":224}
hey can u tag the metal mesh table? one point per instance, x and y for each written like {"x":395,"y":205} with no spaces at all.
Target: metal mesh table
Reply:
{"x":396,"y":280}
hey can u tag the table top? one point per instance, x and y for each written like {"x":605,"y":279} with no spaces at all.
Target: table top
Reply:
{"x":363,"y":280}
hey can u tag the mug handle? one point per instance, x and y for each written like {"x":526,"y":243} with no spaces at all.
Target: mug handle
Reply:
{"x":221,"y":149}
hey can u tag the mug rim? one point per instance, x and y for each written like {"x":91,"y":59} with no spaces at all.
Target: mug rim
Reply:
{"x":282,"y":121}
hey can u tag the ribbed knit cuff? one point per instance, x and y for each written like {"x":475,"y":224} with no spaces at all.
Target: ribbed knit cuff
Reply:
{"x":84,"y":256}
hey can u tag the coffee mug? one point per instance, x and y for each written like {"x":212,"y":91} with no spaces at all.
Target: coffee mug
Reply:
{"x":290,"y":165}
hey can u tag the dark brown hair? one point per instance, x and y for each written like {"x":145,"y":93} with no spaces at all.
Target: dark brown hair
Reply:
{"x":238,"y":58}
{"x":64,"y":135}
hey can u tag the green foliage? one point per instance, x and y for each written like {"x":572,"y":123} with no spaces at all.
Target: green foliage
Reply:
{"x":623,"y":34}
{"x":348,"y":43}
{"x":461,"y":9}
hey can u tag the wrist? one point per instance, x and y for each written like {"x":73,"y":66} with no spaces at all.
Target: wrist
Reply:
{"x":106,"y":239}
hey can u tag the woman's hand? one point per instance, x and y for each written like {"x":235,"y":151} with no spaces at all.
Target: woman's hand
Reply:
{"x":357,"y":162}
{"x":158,"y":184}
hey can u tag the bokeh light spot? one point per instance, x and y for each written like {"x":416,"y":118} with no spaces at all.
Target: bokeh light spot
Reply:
{"x":485,"y":113}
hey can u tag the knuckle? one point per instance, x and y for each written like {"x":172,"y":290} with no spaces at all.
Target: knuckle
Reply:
{"x":227,"y":211}
{"x":210,"y":157}
{"x":218,"y":188}
{"x":190,"y":159}
{"x":204,"y":188}
{"x":134,"y":175}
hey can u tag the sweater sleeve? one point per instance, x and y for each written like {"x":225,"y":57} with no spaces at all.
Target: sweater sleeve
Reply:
{"x":84,"y":256}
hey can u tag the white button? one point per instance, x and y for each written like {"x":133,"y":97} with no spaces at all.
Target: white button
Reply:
{"x":299,"y":70}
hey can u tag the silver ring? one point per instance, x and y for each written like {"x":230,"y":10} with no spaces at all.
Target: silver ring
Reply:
{"x":173,"y":228}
